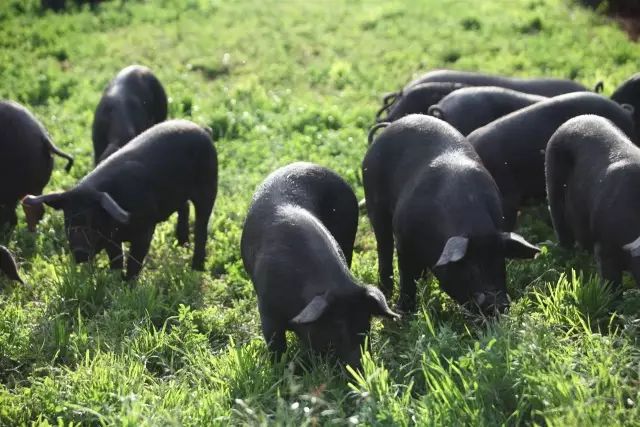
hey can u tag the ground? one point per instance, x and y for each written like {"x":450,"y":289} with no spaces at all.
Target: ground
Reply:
{"x":279,"y":82}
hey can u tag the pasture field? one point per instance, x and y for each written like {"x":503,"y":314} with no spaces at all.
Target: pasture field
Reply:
{"x":277,"y":82}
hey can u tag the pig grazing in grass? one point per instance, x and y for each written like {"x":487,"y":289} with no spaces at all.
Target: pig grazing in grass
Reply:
{"x":543,"y":86}
{"x":132,"y":103}
{"x":140,"y":185}
{"x":512,"y":148}
{"x":296,"y":246}
{"x":593,"y":185}
{"x":469,"y":108}
{"x":8,"y":265}
{"x":426,"y":187}
{"x":26,"y":161}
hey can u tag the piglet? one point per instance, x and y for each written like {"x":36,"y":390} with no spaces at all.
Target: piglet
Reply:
{"x":296,"y":246}
{"x":428,"y":192}
{"x":593,"y":186}
{"x":132,"y":102}
{"x":140,"y":185}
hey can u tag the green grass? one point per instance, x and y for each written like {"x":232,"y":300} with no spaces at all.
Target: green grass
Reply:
{"x":280,"y":82}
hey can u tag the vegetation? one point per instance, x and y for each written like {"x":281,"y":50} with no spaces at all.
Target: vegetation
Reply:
{"x":279,"y":82}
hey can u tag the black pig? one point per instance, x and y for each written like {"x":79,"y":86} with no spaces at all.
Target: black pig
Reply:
{"x":25,"y":161}
{"x":543,"y":86}
{"x":469,"y":108}
{"x":137,"y":187}
{"x":296,"y":246}
{"x":512,"y":148}
{"x":593,"y":185}
{"x":426,"y":186}
{"x":132,"y":103}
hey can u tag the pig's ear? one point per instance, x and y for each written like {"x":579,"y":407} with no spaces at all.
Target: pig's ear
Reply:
{"x":454,"y":250}
{"x":313,"y":310}
{"x":55,"y":200}
{"x":114,"y":209}
{"x":378,"y":303}
{"x":515,"y":246}
{"x":8,"y":265}
{"x":633,"y":248}
{"x":34,"y":211}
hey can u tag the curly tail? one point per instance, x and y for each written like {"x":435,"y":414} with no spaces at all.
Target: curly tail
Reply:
{"x":387,"y":101}
{"x":391,"y":97}
{"x":436,"y":111}
{"x":55,"y":150}
{"x":374,"y":129}
{"x":599,"y":87}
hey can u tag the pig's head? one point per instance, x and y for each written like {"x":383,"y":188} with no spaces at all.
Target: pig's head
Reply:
{"x":338,"y":321}
{"x":90,"y":216}
{"x":472,"y":269}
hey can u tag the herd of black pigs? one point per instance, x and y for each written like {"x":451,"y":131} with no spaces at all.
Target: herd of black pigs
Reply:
{"x":452,"y":158}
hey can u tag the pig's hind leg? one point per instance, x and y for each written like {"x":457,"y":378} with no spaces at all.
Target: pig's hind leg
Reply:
{"x":203,"y":207}
{"x":382,"y":228}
